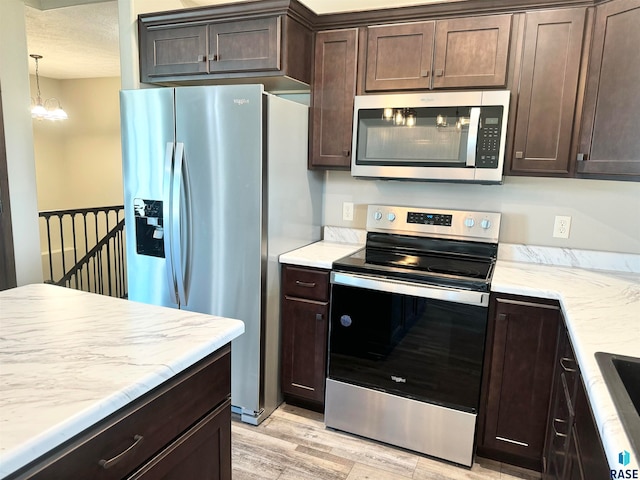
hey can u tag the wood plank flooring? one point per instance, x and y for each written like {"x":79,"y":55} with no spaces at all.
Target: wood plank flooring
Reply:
{"x":293,"y":444}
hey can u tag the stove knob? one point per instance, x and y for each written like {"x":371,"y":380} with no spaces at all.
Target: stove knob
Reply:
{"x":391,"y":217}
{"x":469,"y":222}
{"x":377,"y":215}
{"x":485,"y":224}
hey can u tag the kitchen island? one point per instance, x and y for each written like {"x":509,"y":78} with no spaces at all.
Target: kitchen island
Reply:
{"x":71,"y":361}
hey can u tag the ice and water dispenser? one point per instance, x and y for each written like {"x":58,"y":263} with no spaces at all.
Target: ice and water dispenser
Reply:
{"x":149,"y":227}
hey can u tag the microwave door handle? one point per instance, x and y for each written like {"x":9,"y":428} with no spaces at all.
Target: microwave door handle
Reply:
{"x":472,"y":140}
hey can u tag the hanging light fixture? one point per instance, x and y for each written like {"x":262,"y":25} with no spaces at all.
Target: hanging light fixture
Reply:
{"x":50,"y":109}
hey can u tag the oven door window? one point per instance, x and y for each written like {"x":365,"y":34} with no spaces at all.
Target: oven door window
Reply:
{"x":428,"y":350}
{"x":414,"y":137}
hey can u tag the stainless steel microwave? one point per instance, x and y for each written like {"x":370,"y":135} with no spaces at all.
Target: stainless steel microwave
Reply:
{"x":438,"y":136}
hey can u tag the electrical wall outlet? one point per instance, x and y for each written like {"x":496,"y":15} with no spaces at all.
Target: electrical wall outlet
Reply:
{"x":347,"y":211}
{"x":561,"y":226}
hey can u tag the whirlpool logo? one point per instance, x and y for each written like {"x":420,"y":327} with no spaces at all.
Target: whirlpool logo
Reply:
{"x":624,"y":458}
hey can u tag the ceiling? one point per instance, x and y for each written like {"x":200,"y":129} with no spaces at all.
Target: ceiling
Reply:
{"x":79,"y":38}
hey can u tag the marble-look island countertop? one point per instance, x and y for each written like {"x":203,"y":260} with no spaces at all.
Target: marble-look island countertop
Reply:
{"x":602,"y":313}
{"x":68,"y":359}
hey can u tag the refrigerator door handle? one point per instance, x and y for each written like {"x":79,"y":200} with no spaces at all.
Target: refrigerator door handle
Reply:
{"x":166,"y":214}
{"x":176,"y":207}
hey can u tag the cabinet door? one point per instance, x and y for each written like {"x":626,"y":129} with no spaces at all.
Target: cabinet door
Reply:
{"x":203,"y":452}
{"x":593,"y":460}
{"x":472,"y":52}
{"x":520,"y":380}
{"x":245,"y":45}
{"x":333,"y":92}
{"x":304,"y":348}
{"x":172,"y":51}
{"x":610,"y":144}
{"x":399,"y":56}
{"x":547,"y":94}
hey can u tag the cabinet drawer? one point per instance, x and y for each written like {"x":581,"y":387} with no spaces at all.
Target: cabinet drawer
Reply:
{"x":124,"y":441}
{"x":305,"y":283}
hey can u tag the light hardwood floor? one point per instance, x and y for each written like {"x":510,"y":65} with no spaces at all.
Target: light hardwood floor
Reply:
{"x":293,"y":444}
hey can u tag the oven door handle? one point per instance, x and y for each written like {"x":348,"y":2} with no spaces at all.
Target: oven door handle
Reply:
{"x":467,"y":297}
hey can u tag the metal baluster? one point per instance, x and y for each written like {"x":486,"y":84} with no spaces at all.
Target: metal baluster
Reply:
{"x":47,"y":218}
{"x":108,"y":248}
{"x":96,"y":266}
{"x":75,"y":246}
{"x":64,"y":265}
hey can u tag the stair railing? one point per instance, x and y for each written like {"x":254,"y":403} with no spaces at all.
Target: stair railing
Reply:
{"x":85,"y":249}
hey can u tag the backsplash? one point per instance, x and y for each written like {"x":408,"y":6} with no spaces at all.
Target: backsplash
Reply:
{"x":570,"y":257}
{"x":344,"y":234}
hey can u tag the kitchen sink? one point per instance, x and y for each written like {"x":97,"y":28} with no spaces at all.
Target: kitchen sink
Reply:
{"x":622,"y":377}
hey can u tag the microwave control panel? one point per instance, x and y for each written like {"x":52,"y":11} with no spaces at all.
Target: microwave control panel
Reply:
{"x":489,"y":134}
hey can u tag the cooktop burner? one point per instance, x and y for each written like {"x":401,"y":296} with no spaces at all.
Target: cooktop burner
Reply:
{"x":449,"y":248}
{"x":453,"y":272}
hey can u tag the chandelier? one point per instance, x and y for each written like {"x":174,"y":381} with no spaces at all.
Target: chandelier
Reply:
{"x":50,"y":109}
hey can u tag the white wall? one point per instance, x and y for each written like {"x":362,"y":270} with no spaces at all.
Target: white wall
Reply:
{"x":79,"y":160}
{"x":605,"y":214}
{"x":14,"y":78}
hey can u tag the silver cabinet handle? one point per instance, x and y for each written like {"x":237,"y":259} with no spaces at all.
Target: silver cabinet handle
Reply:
{"x":439,"y":72}
{"x":555,"y":431}
{"x":202,"y":58}
{"x":137,"y":440}
{"x":318,"y":317}
{"x":564,"y":367}
{"x":305,"y":284}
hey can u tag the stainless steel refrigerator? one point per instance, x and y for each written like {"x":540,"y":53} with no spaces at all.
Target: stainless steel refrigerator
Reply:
{"x":216,"y":187}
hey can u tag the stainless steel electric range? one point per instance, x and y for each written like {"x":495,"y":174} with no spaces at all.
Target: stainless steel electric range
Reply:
{"x":407,"y":333}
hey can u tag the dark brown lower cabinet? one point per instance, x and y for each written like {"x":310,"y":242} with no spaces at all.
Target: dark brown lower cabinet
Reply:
{"x":304,"y":313}
{"x":204,"y":451}
{"x":517,"y":380}
{"x":179,"y":430}
{"x":573,"y":448}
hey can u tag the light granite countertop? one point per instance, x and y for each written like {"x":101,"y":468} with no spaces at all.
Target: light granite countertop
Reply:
{"x":68,"y":359}
{"x":320,"y":254}
{"x":337,"y":242}
{"x":601,"y":308}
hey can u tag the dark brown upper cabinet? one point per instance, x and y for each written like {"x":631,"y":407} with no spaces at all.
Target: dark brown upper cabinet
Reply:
{"x":173,"y":51}
{"x":399,"y":56}
{"x":245,"y":45}
{"x":268,"y":42}
{"x":471,"y":52}
{"x":550,"y":69}
{"x":609,"y":141}
{"x":461,"y":52}
{"x":334,"y":89}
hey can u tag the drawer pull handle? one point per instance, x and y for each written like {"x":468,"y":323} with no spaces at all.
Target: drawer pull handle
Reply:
{"x":112,"y":461}
{"x":555,"y":431}
{"x":564,"y":367}
{"x":305,"y":284}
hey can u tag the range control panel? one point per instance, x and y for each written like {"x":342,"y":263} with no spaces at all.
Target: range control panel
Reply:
{"x":456,"y":224}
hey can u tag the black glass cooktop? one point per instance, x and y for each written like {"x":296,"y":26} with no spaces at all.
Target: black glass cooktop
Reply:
{"x":433,"y":261}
